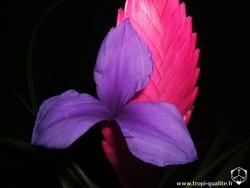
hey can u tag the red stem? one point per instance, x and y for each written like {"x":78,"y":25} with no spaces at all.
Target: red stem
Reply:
{"x":131,"y":172}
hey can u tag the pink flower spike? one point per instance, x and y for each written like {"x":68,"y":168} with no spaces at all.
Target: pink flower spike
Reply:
{"x":168,"y":32}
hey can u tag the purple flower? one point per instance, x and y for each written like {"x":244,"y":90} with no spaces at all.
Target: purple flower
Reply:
{"x":154,"y":132}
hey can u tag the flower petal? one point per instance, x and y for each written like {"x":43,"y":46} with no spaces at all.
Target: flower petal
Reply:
{"x":63,"y":119}
{"x":156,"y":133}
{"x":123,"y":66}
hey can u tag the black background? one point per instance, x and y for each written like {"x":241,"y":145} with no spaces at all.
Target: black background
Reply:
{"x":64,"y":55}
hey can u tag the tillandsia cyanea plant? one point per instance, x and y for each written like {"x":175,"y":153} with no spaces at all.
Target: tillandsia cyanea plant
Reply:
{"x":145,"y":73}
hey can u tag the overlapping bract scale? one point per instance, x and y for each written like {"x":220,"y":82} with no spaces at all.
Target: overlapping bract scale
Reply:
{"x":167,"y":30}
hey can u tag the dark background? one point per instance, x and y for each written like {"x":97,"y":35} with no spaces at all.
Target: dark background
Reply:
{"x":64,"y":54}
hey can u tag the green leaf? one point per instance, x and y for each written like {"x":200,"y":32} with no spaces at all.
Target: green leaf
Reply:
{"x":22,"y":100}
{"x":68,"y":171}
{"x":65,"y":181}
{"x":30,"y":75}
{"x":18,"y":144}
{"x":27,"y":147}
{"x":82,"y":176}
{"x":235,"y":161}
{"x":72,"y":175}
{"x":219,"y":160}
{"x":68,"y":175}
{"x":167,"y":176}
{"x":213,"y":151}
